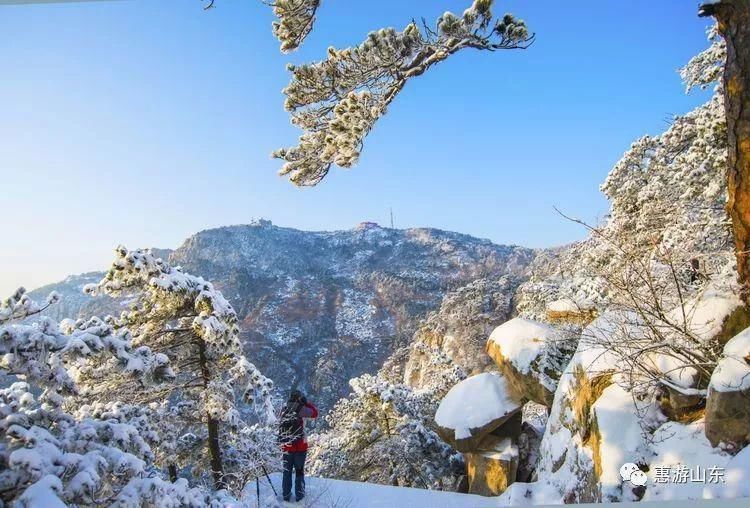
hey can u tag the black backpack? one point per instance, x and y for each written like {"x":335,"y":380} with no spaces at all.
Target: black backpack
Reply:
{"x":291,"y":428}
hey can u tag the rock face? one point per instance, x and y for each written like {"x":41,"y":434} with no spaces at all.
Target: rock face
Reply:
{"x":728,"y":401}
{"x":459,"y":330}
{"x":491,"y":472}
{"x":682,"y":405}
{"x":531,"y":357}
{"x":319,"y":308}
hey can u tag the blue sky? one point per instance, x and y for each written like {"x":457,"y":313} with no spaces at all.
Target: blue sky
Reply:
{"x":142,"y":122}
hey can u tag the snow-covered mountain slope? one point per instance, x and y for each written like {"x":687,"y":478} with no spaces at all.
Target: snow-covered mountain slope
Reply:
{"x":319,"y":308}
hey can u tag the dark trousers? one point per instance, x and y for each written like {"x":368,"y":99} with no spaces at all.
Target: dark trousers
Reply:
{"x":296,"y":461}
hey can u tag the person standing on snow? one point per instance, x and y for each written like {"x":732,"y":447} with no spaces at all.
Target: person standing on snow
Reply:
{"x":293,"y":442}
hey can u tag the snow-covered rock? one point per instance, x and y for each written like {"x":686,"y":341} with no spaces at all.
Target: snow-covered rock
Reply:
{"x":616,"y":437}
{"x":531,"y":356}
{"x":581,"y":420}
{"x":716,"y":314}
{"x":727,"y":406}
{"x":473,"y":409}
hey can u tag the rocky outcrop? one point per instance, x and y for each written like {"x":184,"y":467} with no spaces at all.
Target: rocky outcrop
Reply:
{"x":531,"y":357}
{"x":458,"y":330}
{"x":567,"y":311}
{"x":682,"y":404}
{"x":490,"y":472}
{"x":474,"y":409}
{"x":480,"y":418}
{"x":728,"y":401}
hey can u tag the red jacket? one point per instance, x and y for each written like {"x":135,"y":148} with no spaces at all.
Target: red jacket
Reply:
{"x":300,"y":445}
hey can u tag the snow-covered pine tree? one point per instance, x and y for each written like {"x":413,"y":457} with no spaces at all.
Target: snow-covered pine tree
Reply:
{"x":49,"y":457}
{"x":185,"y":318}
{"x":337,"y":101}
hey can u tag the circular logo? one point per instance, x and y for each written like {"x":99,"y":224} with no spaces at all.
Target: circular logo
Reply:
{"x":627,"y":470}
{"x":638,"y":478}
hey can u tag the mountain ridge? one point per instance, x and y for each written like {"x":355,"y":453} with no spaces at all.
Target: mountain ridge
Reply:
{"x":319,"y":308}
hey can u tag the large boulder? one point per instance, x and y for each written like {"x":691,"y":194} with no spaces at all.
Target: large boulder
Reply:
{"x":570,"y":455}
{"x":531,"y":356}
{"x":717,"y":314}
{"x":473,"y":409}
{"x":490,"y":472}
{"x":728,"y":401}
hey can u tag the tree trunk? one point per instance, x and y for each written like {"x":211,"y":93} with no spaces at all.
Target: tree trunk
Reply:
{"x":172,"y":473}
{"x":215,"y":450}
{"x":214,"y":446}
{"x":733,"y":17}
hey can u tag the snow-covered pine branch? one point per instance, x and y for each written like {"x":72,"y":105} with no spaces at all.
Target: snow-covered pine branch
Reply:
{"x":295,"y":21}
{"x":337,"y":101}
{"x":19,"y":306}
{"x":706,"y":67}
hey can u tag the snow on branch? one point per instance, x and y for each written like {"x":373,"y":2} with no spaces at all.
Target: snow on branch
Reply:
{"x":48,"y":456}
{"x":707,"y":66}
{"x":337,"y":101}
{"x":296,"y":18}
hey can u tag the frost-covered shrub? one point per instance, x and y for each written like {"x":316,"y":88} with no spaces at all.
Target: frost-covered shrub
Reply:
{"x":383,"y":433}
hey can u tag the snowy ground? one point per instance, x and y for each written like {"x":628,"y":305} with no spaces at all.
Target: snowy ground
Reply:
{"x":323,"y":493}
{"x":341,"y":494}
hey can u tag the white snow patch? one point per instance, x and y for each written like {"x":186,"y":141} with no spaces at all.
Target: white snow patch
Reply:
{"x":522,"y":341}
{"x":675,"y":445}
{"x":736,"y":479}
{"x":622,"y":439}
{"x":474,"y":402}
{"x":325,"y":492}
{"x":733,"y":372}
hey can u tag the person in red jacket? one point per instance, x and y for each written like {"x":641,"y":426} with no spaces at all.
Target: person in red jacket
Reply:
{"x":293,"y":443}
